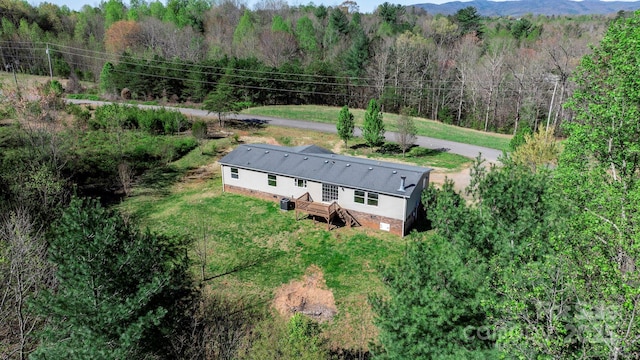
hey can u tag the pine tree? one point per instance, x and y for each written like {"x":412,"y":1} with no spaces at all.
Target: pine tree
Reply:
{"x":373,"y":127}
{"x":117,"y":287}
{"x":345,"y":125}
{"x":107,"y":82}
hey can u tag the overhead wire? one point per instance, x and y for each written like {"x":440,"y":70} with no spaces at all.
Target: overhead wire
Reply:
{"x":198,"y":71}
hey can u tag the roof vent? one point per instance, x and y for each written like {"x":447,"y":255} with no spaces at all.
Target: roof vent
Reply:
{"x":266,"y":151}
{"x":370,"y":168}
{"x":326,"y":161}
{"x":285,"y":155}
{"x":248,"y":149}
{"x":348,"y":165}
{"x":402,"y":184}
{"x":395,"y":172}
{"x":305,"y":158}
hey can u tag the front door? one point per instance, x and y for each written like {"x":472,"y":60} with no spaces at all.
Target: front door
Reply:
{"x":329,"y":193}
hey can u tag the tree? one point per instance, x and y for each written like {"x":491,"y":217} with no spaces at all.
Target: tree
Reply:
{"x":406,"y":133}
{"x":221,"y":101}
{"x":345,"y":124}
{"x":373,"y":127}
{"x":122,"y":35}
{"x":199,"y":131}
{"x":118,"y":289}
{"x":306,"y":35}
{"x":597,"y":176}
{"x":113,"y":12}
{"x":25,"y":273}
{"x":107,"y":83}
{"x":438,"y":288}
{"x":469,"y":21}
{"x":539,"y":149}
{"x":244,"y":36}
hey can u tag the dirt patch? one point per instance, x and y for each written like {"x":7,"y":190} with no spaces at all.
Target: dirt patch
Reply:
{"x":308,"y":296}
{"x":201,"y":173}
{"x":461,"y":178}
{"x":258,"y":140}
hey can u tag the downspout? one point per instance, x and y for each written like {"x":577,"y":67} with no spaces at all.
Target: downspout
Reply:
{"x":404,"y":216}
{"x":222,"y":171}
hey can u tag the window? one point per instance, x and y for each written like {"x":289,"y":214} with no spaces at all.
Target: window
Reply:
{"x":272,"y":180}
{"x":360,"y":196}
{"x":329,"y":192}
{"x":301,"y":183}
{"x":234,"y":173}
{"x":372,"y":199}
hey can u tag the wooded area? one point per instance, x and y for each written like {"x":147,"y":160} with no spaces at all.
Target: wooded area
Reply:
{"x":485,"y":73}
{"x":537,"y":259}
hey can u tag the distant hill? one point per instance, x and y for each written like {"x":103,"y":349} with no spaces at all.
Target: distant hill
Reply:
{"x":536,"y":7}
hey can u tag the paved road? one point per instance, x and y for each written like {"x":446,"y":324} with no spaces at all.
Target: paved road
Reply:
{"x":471,"y":151}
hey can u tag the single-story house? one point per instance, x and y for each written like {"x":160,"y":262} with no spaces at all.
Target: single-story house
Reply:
{"x":376,"y":194}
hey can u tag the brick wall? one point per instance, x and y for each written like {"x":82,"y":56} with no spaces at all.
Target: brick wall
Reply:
{"x":253,"y":193}
{"x":373,"y":222}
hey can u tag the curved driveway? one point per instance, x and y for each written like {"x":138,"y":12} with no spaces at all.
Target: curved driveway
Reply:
{"x":470,"y":151}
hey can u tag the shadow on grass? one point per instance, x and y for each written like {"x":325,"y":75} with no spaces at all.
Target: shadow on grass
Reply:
{"x":160,"y":179}
{"x":359,"y":146}
{"x":350,"y":354}
{"x":246,"y":124}
{"x":246,"y":265}
{"x":414,"y":151}
{"x":394,"y":149}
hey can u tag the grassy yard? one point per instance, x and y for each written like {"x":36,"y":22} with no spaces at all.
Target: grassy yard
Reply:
{"x":425,"y":127}
{"x":356,"y":147}
{"x":260,"y":246}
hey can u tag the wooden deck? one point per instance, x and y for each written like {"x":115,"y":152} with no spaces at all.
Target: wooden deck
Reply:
{"x":305,"y":204}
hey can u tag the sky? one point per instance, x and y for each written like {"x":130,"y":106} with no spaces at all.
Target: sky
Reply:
{"x":366,"y":6}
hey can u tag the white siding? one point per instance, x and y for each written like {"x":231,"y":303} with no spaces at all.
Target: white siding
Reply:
{"x":388,"y":206}
{"x":255,"y":180}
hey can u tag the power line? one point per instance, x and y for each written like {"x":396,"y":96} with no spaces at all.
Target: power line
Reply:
{"x":193,"y":69}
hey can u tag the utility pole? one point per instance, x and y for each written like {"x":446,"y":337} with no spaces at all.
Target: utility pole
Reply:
{"x":15,"y":78}
{"x":49,"y":58}
{"x":555,"y":87}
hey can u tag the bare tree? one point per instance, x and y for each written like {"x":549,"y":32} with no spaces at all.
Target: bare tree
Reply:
{"x":220,"y":22}
{"x":277,"y":47}
{"x":466,"y":56}
{"x":379,"y":64}
{"x":125,"y":176}
{"x":489,"y":77}
{"x":25,"y":272}
{"x":406,"y":134}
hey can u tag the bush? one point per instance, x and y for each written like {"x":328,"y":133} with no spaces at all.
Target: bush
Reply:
{"x":519,"y":138}
{"x":199,"y":129}
{"x":82,"y":115}
{"x":153,"y":121}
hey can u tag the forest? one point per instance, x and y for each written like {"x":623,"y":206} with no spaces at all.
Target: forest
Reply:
{"x":536,"y":258}
{"x":492,"y":74}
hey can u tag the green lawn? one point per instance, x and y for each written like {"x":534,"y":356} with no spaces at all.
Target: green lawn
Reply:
{"x":434,"y":129}
{"x":260,"y":245}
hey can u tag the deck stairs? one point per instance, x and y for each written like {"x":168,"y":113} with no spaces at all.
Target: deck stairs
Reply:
{"x":328,"y":212}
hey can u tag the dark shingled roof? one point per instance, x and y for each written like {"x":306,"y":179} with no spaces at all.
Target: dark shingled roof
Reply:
{"x":318,"y":164}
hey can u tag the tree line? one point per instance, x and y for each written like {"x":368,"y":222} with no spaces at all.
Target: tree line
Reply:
{"x":486,"y":73}
{"x":543,"y":262}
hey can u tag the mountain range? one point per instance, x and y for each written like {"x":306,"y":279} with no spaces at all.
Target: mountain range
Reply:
{"x":536,"y":7}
